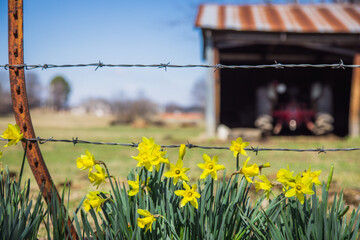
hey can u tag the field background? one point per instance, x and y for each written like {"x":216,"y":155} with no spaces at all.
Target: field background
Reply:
{"x":61,"y":157}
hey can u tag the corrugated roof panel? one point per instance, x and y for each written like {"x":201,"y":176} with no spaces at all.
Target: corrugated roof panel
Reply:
{"x":232,"y":18}
{"x":274,"y":18}
{"x":261,"y":22}
{"x":302,"y":20}
{"x":354,"y":15}
{"x":292,"y":18}
{"x":247,"y":20}
{"x":209,"y":16}
{"x":327,"y":18}
{"x":320,"y":23}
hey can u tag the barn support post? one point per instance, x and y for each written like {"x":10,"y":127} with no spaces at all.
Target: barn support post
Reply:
{"x":210,"y":111}
{"x":217,"y":86}
{"x":354,"y":113}
{"x":21,"y":106}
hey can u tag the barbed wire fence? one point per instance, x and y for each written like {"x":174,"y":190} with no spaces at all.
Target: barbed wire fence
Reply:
{"x":277,"y":65}
{"x":189,"y":145}
{"x":165,"y":66}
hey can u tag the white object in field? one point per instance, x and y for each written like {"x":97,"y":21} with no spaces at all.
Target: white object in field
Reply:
{"x":223,"y":132}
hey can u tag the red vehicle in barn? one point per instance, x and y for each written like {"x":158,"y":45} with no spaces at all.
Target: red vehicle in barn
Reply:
{"x":282,"y":107}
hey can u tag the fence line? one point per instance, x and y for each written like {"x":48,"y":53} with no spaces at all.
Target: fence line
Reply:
{"x":188,"y":145}
{"x":277,"y":65}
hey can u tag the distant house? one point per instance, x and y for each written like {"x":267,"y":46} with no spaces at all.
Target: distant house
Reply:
{"x":182,"y":118}
{"x":318,"y":100}
{"x":97,"y":107}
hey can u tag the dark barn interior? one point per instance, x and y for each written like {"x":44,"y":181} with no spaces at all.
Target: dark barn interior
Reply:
{"x":238,"y":86}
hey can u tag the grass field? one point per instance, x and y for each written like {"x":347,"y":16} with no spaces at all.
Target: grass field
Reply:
{"x":61,"y":157}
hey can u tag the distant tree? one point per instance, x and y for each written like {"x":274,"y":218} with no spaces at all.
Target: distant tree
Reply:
{"x":5,"y":97}
{"x":59,"y":93}
{"x":127,"y":110}
{"x":173,"y":107}
{"x":33,"y":90}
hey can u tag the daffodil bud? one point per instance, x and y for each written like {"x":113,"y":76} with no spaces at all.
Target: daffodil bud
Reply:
{"x":147,"y":221}
{"x":182,"y":151}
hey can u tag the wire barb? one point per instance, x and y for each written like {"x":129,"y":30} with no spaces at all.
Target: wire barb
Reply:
{"x":164,"y":65}
{"x":340,"y":65}
{"x":100,"y":64}
{"x":42,"y":141}
{"x":322,"y":150}
{"x":45,"y":66}
{"x":75,"y":141}
{"x":255,"y":150}
{"x":278,"y":65}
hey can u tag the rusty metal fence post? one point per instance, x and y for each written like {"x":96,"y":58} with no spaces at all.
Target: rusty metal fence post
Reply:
{"x":21,"y":107}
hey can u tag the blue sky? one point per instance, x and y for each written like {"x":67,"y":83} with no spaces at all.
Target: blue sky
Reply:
{"x":138,"y":31}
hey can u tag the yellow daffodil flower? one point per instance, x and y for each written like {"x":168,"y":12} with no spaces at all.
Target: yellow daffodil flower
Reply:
{"x":147,"y":221}
{"x":238,"y":146}
{"x":135,"y":186}
{"x":313,"y":175}
{"x":150,"y":155}
{"x":1,"y":154}
{"x":161,"y":155}
{"x":93,"y":200}
{"x":266,"y":185}
{"x":301,"y":186}
{"x":210,"y":167}
{"x":146,"y":144}
{"x":13,"y":134}
{"x":177,"y":172}
{"x":86,"y":161}
{"x":145,"y":160}
{"x":189,"y":195}
{"x":97,"y":177}
{"x":249,"y":170}
{"x":284,"y":176}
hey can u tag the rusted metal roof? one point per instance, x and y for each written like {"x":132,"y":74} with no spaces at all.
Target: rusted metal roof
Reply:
{"x":314,"y":18}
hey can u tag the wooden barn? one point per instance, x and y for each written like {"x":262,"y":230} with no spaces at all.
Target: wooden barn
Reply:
{"x":283,"y":100}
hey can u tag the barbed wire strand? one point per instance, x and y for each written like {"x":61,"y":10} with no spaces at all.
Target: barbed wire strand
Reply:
{"x":277,"y":65}
{"x":257,"y":149}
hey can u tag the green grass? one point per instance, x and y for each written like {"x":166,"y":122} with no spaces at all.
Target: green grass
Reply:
{"x":61,"y":157}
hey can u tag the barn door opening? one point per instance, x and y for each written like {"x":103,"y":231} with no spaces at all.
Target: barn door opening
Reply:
{"x":289,"y":101}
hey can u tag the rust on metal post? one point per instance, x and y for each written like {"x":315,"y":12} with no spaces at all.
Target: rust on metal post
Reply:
{"x":21,"y":106}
